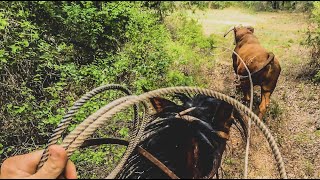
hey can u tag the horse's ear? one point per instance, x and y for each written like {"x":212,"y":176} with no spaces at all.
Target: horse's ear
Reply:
{"x":160,"y":103}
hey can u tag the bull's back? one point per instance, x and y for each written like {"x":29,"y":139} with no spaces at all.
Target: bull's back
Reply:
{"x":254,"y":55}
{"x":255,"y":51}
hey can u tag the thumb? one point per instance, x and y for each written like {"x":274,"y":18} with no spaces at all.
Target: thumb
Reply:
{"x":55,"y":164}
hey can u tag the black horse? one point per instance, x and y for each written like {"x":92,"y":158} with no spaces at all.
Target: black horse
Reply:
{"x":189,"y":138}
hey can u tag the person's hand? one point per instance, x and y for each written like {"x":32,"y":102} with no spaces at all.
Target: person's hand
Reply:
{"x":24,"y":166}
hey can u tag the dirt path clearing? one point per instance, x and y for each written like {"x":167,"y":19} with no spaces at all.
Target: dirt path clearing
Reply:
{"x":295,"y":104}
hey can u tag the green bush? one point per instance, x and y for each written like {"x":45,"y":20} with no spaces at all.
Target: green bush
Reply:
{"x":296,"y":6}
{"x":52,"y":52}
{"x":313,"y":41}
{"x":190,"y":48}
{"x":203,"y":5}
{"x":221,"y":4}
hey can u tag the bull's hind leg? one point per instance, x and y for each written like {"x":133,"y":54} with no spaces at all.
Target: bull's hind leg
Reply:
{"x":265,"y":101}
{"x":246,"y":93}
{"x":268,"y":86}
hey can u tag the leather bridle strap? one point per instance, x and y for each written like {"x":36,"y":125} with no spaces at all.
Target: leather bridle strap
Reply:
{"x":140,"y":150}
{"x":156,"y":162}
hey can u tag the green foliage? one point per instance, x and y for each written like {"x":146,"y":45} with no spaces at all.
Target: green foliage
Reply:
{"x":50,"y":48}
{"x":52,"y":52}
{"x":189,"y":49}
{"x":317,"y":76}
{"x":205,"y":4}
{"x":275,"y":110}
{"x":104,"y":157}
{"x":313,"y":41}
{"x":296,"y":6}
{"x":1,"y":149}
{"x":221,"y":4}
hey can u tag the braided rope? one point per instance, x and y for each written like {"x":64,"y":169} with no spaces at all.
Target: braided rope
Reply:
{"x":130,"y":100}
{"x":57,"y":133}
{"x":246,"y":159}
{"x":248,"y":71}
{"x":88,"y":126}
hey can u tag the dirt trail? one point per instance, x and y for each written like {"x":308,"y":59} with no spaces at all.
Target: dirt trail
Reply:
{"x":295,"y":104}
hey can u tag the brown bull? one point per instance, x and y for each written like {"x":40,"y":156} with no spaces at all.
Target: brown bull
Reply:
{"x":264,"y":67}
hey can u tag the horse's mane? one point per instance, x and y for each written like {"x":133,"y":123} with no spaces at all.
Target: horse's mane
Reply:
{"x":169,"y":137}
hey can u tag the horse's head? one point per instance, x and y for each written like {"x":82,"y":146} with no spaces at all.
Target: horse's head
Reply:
{"x":189,"y":137}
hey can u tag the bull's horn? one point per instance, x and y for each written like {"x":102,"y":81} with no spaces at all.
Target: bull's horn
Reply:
{"x":232,"y":28}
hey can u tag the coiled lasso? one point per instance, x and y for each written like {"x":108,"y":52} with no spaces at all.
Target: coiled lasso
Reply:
{"x":84,"y":130}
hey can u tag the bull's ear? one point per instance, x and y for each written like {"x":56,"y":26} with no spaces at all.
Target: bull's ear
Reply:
{"x":250,"y":28}
{"x":160,"y":103}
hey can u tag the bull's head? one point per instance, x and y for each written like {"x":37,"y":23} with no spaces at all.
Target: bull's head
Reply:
{"x":239,"y":32}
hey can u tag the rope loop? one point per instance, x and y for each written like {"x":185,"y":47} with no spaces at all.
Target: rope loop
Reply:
{"x":84,"y":130}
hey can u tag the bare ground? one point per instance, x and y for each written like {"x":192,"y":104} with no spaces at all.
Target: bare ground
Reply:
{"x":295,"y":104}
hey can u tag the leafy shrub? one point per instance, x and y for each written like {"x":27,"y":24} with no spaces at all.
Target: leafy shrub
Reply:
{"x":50,"y":48}
{"x":313,"y":41}
{"x":202,"y":5}
{"x":275,"y":110}
{"x":190,"y":48}
{"x":221,"y":4}
{"x":52,"y":52}
{"x":297,"y":6}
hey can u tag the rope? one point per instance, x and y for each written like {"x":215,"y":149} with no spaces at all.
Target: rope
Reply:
{"x":73,"y":144}
{"x":57,"y":133}
{"x":246,"y":159}
{"x":245,"y":174}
